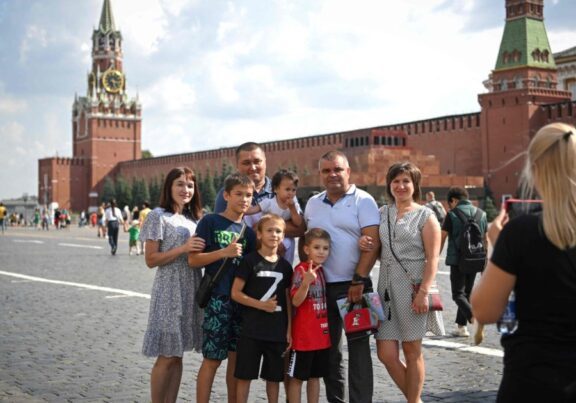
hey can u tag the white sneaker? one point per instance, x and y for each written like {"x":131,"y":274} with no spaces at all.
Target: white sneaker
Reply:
{"x":460,"y":331}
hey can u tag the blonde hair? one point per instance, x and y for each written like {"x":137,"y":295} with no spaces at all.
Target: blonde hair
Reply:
{"x":551,"y":170}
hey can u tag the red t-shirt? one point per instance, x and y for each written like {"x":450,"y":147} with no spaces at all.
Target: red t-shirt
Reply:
{"x":310,"y":319}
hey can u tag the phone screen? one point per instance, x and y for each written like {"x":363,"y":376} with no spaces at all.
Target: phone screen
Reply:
{"x":516,"y":207}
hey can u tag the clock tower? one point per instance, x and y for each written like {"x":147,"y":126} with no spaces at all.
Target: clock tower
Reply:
{"x":106,"y":122}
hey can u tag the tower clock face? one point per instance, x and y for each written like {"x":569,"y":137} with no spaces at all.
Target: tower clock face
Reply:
{"x":113,"y":81}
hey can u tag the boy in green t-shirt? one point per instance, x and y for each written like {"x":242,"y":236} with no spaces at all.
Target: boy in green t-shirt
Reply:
{"x":134,"y":233}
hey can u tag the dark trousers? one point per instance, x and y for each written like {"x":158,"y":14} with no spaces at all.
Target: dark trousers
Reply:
{"x":360,"y":375}
{"x":462,"y":284}
{"x":113,"y":234}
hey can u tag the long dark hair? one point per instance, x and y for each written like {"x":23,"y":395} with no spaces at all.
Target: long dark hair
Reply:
{"x":193,"y":209}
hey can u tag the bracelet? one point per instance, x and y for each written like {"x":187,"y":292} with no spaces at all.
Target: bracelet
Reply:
{"x":356,"y":283}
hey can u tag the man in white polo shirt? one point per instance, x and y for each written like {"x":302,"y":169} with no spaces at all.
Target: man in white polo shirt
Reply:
{"x":346,"y":213}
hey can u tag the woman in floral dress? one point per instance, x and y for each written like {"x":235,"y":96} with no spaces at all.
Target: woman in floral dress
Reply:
{"x":175,"y":320}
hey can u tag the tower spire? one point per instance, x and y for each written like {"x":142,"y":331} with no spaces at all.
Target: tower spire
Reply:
{"x":107,"y":18}
{"x":525,"y":42}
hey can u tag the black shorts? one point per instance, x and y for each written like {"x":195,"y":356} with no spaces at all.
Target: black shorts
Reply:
{"x":308,"y":364}
{"x":248,"y":356}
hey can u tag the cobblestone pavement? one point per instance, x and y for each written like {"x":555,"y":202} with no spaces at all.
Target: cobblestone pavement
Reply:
{"x":62,"y":341}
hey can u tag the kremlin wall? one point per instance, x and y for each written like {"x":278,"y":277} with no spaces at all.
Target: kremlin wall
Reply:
{"x":528,"y":88}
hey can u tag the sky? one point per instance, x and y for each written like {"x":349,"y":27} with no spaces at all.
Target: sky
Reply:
{"x":215,"y":73}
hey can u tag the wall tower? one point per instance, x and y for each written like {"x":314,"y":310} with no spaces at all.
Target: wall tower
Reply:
{"x":525,"y":77}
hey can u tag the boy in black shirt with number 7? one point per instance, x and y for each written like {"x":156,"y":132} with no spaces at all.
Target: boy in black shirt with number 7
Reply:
{"x":262,"y":285}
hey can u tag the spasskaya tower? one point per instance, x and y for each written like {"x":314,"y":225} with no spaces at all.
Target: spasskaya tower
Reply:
{"x":106,"y":127}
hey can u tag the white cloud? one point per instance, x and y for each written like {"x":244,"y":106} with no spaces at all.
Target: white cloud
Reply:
{"x":175,"y":7}
{"x":12,"y":133}
{"x":144,"y":25}
{"x":216,"y":73}
{"x":169,"y":95}
{"x":9,"y":105}
{"x":35,"y":36}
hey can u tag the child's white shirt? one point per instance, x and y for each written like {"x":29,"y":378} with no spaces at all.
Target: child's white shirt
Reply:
{"x":270,"y":206}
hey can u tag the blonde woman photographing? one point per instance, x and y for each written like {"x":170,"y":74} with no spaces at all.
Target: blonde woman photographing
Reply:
{"x":535,"y":256}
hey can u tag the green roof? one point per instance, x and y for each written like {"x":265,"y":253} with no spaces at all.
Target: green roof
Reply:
{"x":524,"y":39}
{"x":106,"y":18}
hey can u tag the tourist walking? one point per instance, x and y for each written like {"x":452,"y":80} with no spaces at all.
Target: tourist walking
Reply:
{"x":113,"y":219}
{"x":175,"y":320}
{"x":462,"y":278}
{"x":3,"y":217}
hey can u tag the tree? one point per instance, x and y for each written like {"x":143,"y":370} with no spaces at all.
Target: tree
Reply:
{"x":123,"y":192}
{"x":208,"y":191}
{"x":108,"y":190}
{"x":146,"y":154}
{"x":490,"y":208}
{"x":154,"y":192}
{"x":226,"y":170}
{"x":140,"y":192}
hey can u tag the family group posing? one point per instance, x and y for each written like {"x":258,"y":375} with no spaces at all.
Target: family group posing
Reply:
{"x":262,"y":309}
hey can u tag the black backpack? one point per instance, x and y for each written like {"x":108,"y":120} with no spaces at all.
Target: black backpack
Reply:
{"x":471,"y":246}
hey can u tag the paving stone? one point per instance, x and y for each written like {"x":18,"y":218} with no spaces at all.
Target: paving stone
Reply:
{"x":64,"y":343}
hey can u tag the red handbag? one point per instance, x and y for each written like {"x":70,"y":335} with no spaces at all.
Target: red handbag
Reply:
{"x":360,"y":321}
{"x":434,"y":300}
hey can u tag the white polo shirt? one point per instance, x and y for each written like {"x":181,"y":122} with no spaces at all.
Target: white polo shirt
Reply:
{"x":344,"y":222}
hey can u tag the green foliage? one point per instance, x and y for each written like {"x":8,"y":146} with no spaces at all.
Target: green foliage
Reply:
{"x":490,"y":208}
{"x":155,"y":189}
{"x":140,"y":192}
{"x":226,"y":170}
{"x":108,"y":190}
{"x":488,"y":192}
{"x":146,"y":154}
{"x":208,"y":190}
{"x":123,"y":192}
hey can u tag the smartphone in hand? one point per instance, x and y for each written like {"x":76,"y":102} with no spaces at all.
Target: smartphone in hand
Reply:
{"x":516,"y":207}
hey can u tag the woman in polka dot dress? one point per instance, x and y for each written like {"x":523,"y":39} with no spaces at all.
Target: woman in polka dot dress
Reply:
{"x":415,"y":238}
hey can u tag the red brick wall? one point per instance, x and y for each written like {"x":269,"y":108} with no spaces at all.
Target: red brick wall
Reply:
{"x":66,"y":182}
{"x":509,"y":120}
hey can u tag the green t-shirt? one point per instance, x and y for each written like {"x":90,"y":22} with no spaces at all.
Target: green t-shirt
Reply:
{"x":134,"y":232}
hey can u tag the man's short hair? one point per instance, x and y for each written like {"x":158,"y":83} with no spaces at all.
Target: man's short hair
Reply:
{"x":249,"y":146}
{"x":332,"y":155}
{"x":315,"y":233}
{"x":237,"y":179}
{"x":457,"y":193}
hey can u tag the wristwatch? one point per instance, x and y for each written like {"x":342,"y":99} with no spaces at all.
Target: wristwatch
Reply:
{"x":357,"y":279}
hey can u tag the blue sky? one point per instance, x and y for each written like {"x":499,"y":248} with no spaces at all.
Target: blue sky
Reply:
{"x":213,"y":73}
